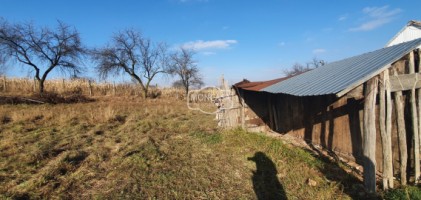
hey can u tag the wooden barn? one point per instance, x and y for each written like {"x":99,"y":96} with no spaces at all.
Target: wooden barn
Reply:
{"x":366,"y":107}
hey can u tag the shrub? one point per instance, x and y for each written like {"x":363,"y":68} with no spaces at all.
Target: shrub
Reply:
{"x":409,"y":192}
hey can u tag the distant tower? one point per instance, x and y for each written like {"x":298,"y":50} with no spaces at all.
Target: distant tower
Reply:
{"x":223,"y":84}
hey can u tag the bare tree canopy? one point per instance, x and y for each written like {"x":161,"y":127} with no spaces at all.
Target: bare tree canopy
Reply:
{"x":133,"y":54}
{"x":298,"y":68}
{"x":42,"y":49}
{"x":184,"y":67}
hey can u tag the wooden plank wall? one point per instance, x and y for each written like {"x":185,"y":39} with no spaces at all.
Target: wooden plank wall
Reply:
{"x":331,"y":122}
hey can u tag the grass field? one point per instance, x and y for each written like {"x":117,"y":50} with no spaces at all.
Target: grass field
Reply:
{"x":129,"y":148}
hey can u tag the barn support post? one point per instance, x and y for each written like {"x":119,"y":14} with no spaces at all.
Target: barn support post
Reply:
{"x":419,"y":112}
{"x":400,"y":118}
{"x":414,"y":119}
{"x":369,"y":139}
{"x":389,"y":126}
{"x":419,"y":96}
{"x":385,"y":125}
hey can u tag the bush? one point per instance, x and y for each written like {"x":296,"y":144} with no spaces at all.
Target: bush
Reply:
{"x":154,"y":93}
{"x":410,"y":192}
{"x":54,"y":98}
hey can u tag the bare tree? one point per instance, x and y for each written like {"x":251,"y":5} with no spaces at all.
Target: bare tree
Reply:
{"x":178,"y":84}
{"x":42,"y":49}
{"x":130,"y":53}
{"x":315,"y":63}
{"x":184,"y":67}
{"x":298,"y":68}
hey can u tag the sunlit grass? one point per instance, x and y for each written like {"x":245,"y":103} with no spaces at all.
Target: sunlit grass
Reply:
{"x":128,"y":148}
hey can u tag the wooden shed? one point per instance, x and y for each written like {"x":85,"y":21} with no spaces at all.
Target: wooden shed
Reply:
{"x":366,"y":108}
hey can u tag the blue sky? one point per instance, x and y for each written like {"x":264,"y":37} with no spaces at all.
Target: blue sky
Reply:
{"x":249,"y":39}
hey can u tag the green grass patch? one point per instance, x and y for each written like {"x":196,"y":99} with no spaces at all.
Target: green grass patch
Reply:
{"x":405,"y":193}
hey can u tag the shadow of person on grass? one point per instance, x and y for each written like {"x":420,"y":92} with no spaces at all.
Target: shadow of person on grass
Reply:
{"x":265,"y":182}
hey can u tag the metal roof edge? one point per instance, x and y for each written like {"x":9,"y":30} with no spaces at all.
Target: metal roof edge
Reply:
{"x":363,"y":80}
{"x":368,"y":77}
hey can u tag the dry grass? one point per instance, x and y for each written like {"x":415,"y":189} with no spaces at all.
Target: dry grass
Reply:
{"x":25,"y":86}
{"x":128,"y":148}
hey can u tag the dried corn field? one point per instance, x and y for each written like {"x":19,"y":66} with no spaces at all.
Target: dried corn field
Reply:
{"x":24,"y":86}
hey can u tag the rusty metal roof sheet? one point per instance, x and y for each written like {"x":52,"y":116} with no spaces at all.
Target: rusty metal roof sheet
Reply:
{"x":258,"y":85}
{"x":342,"y":76}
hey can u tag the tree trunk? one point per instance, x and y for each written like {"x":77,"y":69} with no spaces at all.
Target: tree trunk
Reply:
{"x":139,"y":80}
{"x":41,"y":86}
{"x":369,"y":140}
{"x":145,"y":93}
{"x":186,"y":88}
{"x":146,"y":90}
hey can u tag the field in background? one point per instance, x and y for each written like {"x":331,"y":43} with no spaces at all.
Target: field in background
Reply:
{"x":123,"y":146}
{"x":25,"y":86}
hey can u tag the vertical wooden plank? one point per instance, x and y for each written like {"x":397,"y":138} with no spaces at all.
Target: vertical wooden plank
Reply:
{"x":414,"y":119}
{"x":270,"y":111}
{"x":275,"y":115}
{"x":243,"y":110}
{"x":418,"y":91}
{"x":369,"y":139}
{"x":400,"y":118}
{"x":419,"y":110}
{"x":385,"y":132}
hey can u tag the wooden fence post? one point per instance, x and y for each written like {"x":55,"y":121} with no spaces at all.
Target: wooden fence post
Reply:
{"x":90,"y":87}
{"x":385,"y":116}
{"x":114,"y":92}
{"x":4,"y":84}
{"x":414,"y":120}
{"x":400,"y":118}
{"x":369,"y":139}
{"x":63,"y":86}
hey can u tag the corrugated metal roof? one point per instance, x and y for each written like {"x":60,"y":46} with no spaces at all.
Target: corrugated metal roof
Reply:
{"x":342,"y":76}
